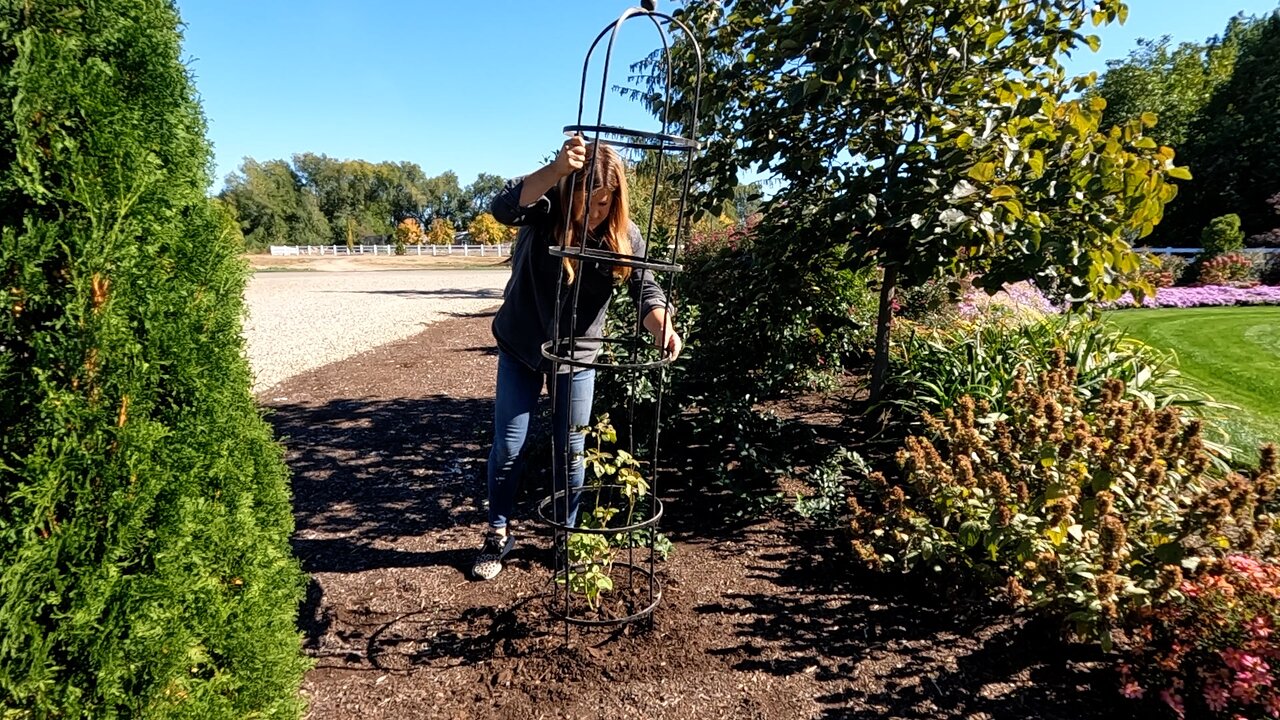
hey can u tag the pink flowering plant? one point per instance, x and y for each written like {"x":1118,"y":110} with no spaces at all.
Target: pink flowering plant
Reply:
{"x":1232,"y":269}
{"x":1217,"y":654}
{"x":1204,"y":295}
{"x":1161,"y":271}
{"x":1019,"y":302}
{"x":708,"y":239}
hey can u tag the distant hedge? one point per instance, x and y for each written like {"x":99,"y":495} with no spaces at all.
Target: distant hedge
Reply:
{"x":145,"y":569}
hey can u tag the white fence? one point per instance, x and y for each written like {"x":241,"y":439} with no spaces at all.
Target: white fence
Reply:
{"x":1197,"y":251}
{"x":432,"y":250}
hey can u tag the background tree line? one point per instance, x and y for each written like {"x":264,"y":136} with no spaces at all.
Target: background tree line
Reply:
{"x":319,"y":200}
{"x":1218,"y":105}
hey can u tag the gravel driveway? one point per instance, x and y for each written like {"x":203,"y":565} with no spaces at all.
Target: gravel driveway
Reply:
{"x":302,"y":320}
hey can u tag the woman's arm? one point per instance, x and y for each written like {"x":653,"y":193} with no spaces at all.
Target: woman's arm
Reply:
{"x":652,"y":302}
{"x":518,"y":202}
{"x":658,"y":323}
{"x":572,"y":156}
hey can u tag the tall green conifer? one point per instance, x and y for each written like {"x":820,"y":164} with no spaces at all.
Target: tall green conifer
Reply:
{"x":145,"y":568}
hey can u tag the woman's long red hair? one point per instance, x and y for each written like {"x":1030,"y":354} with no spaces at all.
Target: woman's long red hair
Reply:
{"x":605,"y":171}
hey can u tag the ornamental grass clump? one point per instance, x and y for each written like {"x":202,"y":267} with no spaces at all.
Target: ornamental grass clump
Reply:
{"x":1088,"y":510}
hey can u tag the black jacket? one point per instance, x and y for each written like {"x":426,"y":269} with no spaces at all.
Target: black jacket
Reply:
{"x":527,"y":316}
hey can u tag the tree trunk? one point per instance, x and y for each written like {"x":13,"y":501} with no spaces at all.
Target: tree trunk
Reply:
{"x":880,"y":368}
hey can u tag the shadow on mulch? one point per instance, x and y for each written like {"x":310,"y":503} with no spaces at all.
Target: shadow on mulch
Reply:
{"x":378,"y":484}
{"x":440,"y":294}
{"x":910,"y":649}
{"x":375,"y":467}
{"x":758,"y":620}
{"x":370,"y":473}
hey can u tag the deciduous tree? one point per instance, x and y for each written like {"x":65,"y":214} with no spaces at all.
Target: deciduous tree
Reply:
{"x":1237,"y":160}
{"x":486,"y":230}
{"x":273,"y":206}
{"x":1174,"y":83}
{"x":479,"y":193}
{"x":409,"y":232}
{"x":928,"y":138}
{"x":1218,"y":105}
{"x":441,"y":232}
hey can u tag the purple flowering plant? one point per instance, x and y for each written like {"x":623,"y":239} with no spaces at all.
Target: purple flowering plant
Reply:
{"x":1204,"y":295}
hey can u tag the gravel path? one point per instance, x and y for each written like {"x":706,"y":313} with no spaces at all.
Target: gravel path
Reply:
{"x":303,"y":320}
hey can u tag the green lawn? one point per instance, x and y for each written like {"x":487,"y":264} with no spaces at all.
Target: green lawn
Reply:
{"x":1231,"y":353}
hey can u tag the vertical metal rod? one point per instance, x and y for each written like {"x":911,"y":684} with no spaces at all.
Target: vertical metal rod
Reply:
{"x":639,"y":331}
{"x":588,"y":186}
{"x":562,"y":550}
{"x":692,"y":133}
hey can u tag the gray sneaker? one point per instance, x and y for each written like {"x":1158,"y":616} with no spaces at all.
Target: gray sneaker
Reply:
{"x":489,"y":562}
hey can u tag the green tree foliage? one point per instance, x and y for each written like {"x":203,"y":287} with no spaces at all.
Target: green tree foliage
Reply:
{"x":1269,"y":238}
{"x":145,"y":567}
{"x":1219,"y":106}
{"x":928,"y":140}
{"x":374,"y":197}
{"x":1222,"y":235}
{"x":273,"y":206}
{"x":480,"y":193}
{"x":1237,"y":163}
{"x":1174,"y":83}
{"x":446,"y":200}
{"x":320,"y":200}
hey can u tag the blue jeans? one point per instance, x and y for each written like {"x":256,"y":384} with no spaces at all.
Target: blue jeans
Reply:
{"x":515,"y":401}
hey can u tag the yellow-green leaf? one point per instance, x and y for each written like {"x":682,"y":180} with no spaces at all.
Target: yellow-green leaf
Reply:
{"x":1014,"y":208}
{"x":1180,"y":173}
{"x":1003,"y":191}
{"x":1056,"y":535}
{"x":983,"y":172}
{"x":1036,"y":163}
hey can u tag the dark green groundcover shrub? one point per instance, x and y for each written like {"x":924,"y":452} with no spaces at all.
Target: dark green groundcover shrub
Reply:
{"x":764,"y":311}
{"x":769,"y":311}
{"x":145,"y":569}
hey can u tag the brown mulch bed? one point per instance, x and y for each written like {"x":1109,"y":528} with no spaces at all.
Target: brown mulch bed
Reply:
{"x":761,"y":620}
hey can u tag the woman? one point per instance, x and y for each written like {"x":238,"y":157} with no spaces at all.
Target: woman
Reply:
{"x":542,"y":206}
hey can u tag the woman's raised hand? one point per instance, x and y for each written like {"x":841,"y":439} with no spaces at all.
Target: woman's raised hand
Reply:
{"x":572,"y":156}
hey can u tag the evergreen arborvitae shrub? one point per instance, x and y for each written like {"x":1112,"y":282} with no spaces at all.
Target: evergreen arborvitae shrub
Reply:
{"x":145,"y":566}
{"x":1223,"y":235}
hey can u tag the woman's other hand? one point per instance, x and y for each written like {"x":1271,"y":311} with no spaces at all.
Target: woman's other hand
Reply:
{"x":665,"y":337}
{"x":572,"y":156}
{"x":670,"y":342}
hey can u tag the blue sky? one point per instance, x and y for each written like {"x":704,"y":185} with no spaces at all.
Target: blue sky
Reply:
{"x":465,"y":86}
